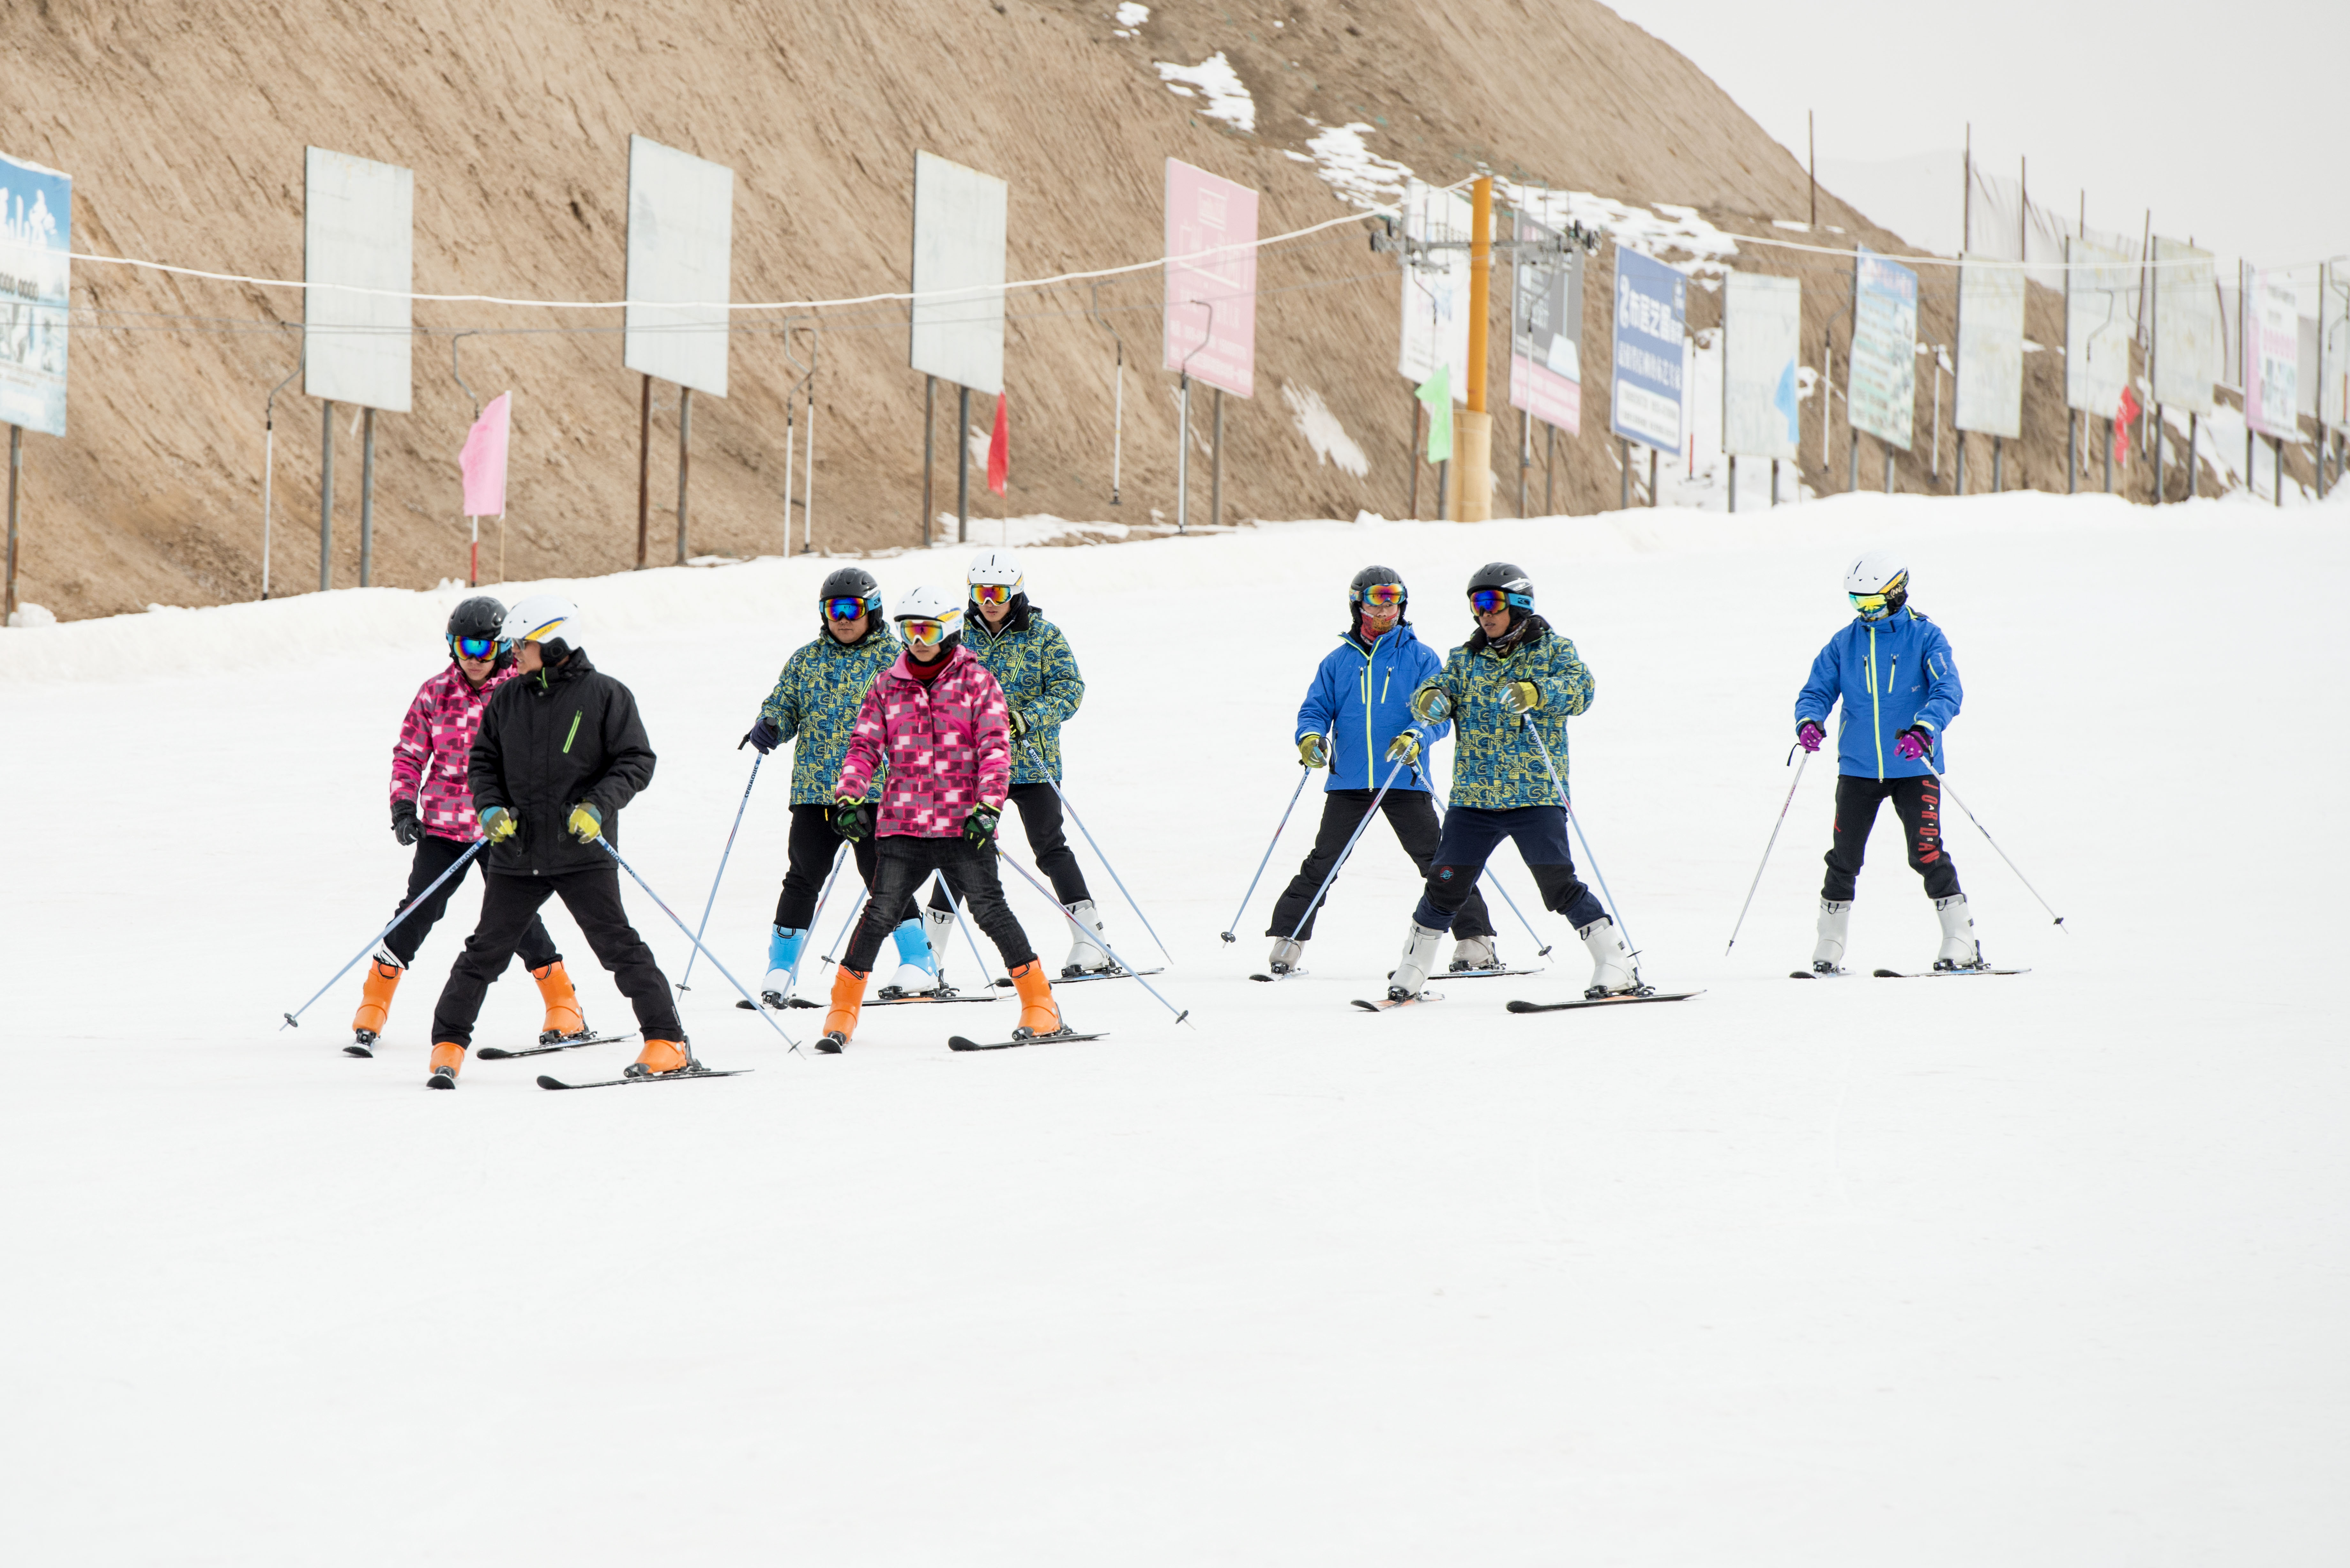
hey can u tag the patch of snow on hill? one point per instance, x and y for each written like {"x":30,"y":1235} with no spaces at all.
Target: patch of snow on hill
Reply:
{"x":1214,"y":78}
{"x":1352,"y":169}
{"x":1323,"y":431}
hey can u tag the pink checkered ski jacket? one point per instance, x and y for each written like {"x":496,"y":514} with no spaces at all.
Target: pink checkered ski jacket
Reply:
{"x":949,"y":746}
{"x":427,"y":761}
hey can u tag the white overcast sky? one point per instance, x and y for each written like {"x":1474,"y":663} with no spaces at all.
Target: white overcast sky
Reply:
{"x":2231,"y":121}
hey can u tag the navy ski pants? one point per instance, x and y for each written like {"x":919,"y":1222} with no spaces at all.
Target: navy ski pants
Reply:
{"x":1470,"y":837}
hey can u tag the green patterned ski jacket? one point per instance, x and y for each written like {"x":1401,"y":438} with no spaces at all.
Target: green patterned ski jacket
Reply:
{"x":815,"y":701}
{"x":1496,"y":766}
{"x":1030,"y":659}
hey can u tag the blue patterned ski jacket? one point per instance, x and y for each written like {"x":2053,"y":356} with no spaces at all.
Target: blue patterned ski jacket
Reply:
{"x":815,"y":702}
{"x":1030,"y":659}
{"x":1890,"y":674}
{"x":1496,"y":766}
{"x":1361,"y":698}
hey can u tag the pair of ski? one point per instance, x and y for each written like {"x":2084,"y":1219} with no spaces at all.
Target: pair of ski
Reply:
{"x":922,"y":998}
{"x":1448,"y":975}
{"x":1903,"y":973}
{"x":1622,"y":999}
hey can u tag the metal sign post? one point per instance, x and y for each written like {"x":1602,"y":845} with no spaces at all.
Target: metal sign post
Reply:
{"x":929,"y":427}
{"x":684,"y":460}
{"x":366,"y":496}
{"x":644,"y":467}
{"x":963,"y":465}
{"x":15,"y":468}
{"x":326,"y":499}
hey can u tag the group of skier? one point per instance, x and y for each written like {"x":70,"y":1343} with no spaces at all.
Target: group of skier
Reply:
{"x":913,"y":732}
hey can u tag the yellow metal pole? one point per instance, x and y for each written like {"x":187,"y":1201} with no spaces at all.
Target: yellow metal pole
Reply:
{"x":1472,"y":450}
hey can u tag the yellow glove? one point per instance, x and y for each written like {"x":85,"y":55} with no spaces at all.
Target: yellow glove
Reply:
{"x":1430,"y":705}
{"x":1405,"y":748}
{"x":1311,"y":752}
{"x":587,"y":824}
{"x":1521,"y":696}
{"x":498,"y":824}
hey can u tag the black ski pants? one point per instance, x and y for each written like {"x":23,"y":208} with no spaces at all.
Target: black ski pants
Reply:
{"x":1471,"y":834}
{"x":435,"y":855}
{"x":1412,"y":815}
{"x":904,"y":861}
{"x":1919,"y":802}
{"x":1040,"y":814}
{"x":511,"y":904}
{"x":812,"y":846}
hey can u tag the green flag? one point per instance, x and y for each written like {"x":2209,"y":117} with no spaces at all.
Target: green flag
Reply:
{"x":1437,"y":393}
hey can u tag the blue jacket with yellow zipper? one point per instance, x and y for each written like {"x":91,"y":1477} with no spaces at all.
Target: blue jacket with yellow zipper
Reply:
{"x":1889,"y":674}
{"x":1361,"y":698}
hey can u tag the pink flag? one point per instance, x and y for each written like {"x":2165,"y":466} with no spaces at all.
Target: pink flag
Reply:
{"x":484,"y":460}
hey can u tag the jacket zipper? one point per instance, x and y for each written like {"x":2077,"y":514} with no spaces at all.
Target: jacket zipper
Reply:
{"x":1876,"y":707}
{"x":575,"y":731}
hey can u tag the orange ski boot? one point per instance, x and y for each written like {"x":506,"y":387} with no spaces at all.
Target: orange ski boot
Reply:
{"x":658,"y":1059}
{"x":564,"y":1018}
{"x":375,"y":1006}
{"x":1039,"y":1013}
{"x":447,"y":1058}
{"x":847,"y":1001}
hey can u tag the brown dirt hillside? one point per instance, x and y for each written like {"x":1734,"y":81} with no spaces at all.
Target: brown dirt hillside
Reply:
{"x":184,"y":123}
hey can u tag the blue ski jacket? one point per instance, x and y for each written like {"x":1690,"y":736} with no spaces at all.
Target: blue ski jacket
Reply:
{"x":1890,"y":674}
{"x":1361,"y":698}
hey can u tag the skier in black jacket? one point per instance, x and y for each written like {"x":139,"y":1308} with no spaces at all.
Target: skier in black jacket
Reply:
{"x":560,"y":752}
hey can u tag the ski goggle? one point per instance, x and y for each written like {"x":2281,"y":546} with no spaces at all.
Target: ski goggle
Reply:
{"x":1485,"y":601}
{"x":926,"y":633}
{"x":993,"y":593}
{"x":843,"y":609}
{"x":1386,"y":596}
{"x":1870,"y":606}
{"x":474,"y":647}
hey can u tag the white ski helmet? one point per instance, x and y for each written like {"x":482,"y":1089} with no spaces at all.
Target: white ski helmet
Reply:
{"x":1877,"y":584}
{"x":997,"y":566}
{"x":548,"y":620}
{"x":928,"y":603}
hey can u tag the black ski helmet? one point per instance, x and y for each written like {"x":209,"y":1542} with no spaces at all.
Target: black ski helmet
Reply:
{"x":851,"y":583}
{"x":481,"y":616}
{"x":1512,"y":581}
{"x":1371,"y":576}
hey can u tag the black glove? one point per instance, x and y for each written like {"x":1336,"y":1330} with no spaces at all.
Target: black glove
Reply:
{"x":764,"y":735}
{"x":852,"y":819}
{"x":406,"y":825}
{"x":979,"y":825}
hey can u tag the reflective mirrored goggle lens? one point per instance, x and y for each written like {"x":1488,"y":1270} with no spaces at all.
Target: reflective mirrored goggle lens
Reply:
{"x":1386,"y":595}
{"x":844,"y":609}
{"x":926,"y":632}
{"x":1485,"y":601}
{"x":1868,"y":604}
{"x":474,"y":646}
{"x":991,"y":593}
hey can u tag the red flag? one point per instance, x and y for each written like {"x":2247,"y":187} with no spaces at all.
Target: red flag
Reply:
{"x":999,"y":446}
{"x":2129,"y":411}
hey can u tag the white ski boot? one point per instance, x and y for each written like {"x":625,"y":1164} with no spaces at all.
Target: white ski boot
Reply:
{"x":1412,"y":969}
{"x":1287,"y":956}
{"x":939,"y":926}
{"x":1835,"y":918}
{"x":1086,"y":956}
{"x":1474,"y":953}
{"x":1611,"y":962}
{"x":1959,"y":949}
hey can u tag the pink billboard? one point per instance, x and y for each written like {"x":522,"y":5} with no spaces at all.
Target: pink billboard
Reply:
{"x":2271,"y":334}
{"x":1210,"y":321}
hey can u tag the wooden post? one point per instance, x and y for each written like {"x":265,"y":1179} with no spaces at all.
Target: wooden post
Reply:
{"x":1472,"y":438}
{"x":644,"y":469}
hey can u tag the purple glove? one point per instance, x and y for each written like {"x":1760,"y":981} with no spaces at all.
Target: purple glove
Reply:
{"x":1913,"y":742}
{"x":1808,"y":735}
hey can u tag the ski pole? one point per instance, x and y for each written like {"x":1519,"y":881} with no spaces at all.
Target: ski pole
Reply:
{"x":712,"y":957}
{"x":1303,"y":774}
{"x":1121,"y":963}
{"x":1098,"y":855}
{"x":823,"y":897}
{"x":1613,"y":912}
{"x":1945,"y":779}
{"x":1328,"y":877}
{"x":683,"y":981}
{"x":1766,"y":853}
{"x":1488,"y":875}
{"x":294,"y":1019}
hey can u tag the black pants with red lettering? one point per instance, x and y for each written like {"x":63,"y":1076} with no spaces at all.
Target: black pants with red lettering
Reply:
{"x":1919,"y":802}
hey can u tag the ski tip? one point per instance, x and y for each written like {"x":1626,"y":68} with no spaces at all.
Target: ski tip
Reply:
{"x":746,"y":1007}
{"x":1885,"y":973}
{"x":1366,"y":1007}
{"x":492,"y":1054}
{"x":964,"y":1042}
{"x":1523,"y":1006}
{"x":549,"y":1081}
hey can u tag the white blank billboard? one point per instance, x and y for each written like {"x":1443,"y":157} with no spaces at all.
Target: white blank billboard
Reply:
{"x":1990,"y":349}
{"x":2100,"y":322}
{"x":2334,"y":343}
{"x":1763,"y":328}
{"x":1436,"y":287}
{"x":2187,"y":358}
{"x":961,"y":221}
{"x":680,"y":265}
{"x":358,"y":232}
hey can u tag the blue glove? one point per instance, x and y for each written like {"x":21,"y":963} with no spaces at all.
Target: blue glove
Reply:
{"x":764,"y":735}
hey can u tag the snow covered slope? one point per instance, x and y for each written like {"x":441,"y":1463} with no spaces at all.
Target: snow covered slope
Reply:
{"x":2048,"y":1270}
